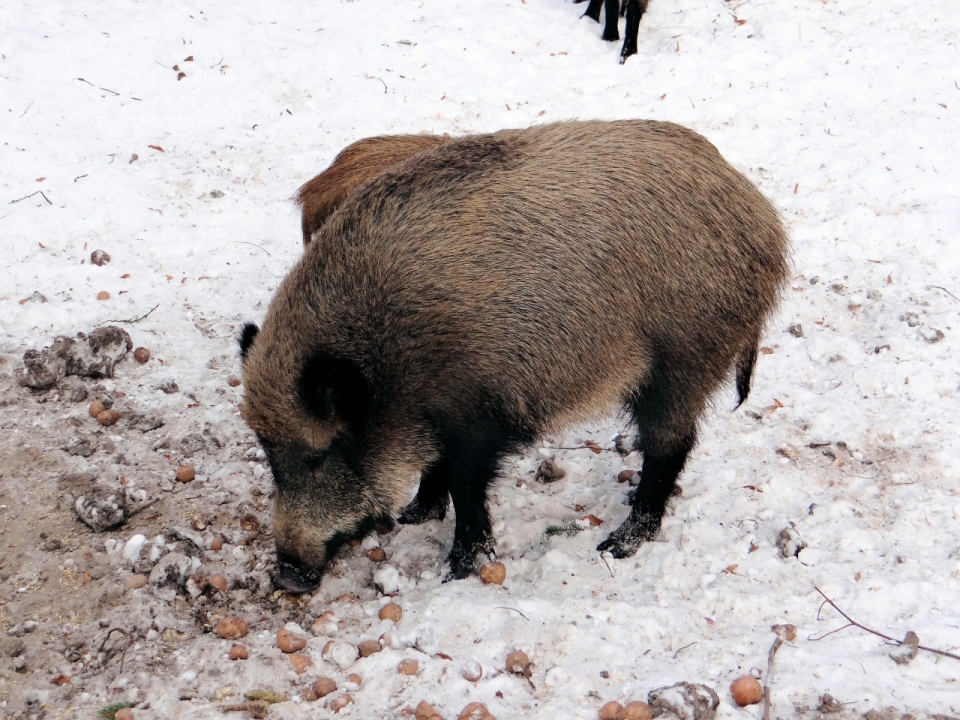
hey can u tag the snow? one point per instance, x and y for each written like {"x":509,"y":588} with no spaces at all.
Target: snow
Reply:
{"x":843,"y":112}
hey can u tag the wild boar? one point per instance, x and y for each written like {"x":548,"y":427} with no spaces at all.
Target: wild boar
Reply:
{"x":489,"y":290}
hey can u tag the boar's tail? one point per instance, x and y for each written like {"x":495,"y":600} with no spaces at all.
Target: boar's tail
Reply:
{"x":746,"y":360}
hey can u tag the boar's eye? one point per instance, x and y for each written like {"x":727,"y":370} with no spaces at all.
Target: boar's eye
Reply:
{"x":333,"y":388}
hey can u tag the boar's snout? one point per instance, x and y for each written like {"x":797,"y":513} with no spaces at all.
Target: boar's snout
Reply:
{"x":295,"y":577}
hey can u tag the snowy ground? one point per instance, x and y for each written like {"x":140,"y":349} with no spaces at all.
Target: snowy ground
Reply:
{"x":843,"y":112}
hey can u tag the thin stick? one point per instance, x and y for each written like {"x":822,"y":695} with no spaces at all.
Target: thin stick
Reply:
{"x":683,"y":648}
{"x":611,"y":570}
{"x":23,"y":198}
{"x":45,"y":198}
{"x":946,"y":291}
{"x":374,"y":77}
{"x":130,"y":320}
{"x":766,"y":681}
{"x":25,"y":111}
{"x":853,"y":622}
{"x":501,"y":607}
{"x":255,"y":245}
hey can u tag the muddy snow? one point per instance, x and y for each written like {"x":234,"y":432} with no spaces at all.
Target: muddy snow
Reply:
{"x":149,"y":153}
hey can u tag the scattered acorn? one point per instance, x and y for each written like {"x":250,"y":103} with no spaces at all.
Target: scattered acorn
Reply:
{"x":625,"y":476}
{"x":493,"y":573}
{"x":186,"y":473}
{"x":635,"y":710}
{"x":290,"y":642}
{"x":338,"y":704}
{"x":426,"y":711}
{"x":326,"y":624}
{"x":610,"y":710}
{"x":135,"y":581}
{"x":475,"y":711}
{"x":746,"y":690}
{"x":377,"y":554}
{"x":103,"y":295}
{"x":518,"y":663}
{"x":408,"y":666}
{"x":123,"y":714}
{"x":300,"y":663}
{"x":471,"y":671}
{"x":198,"y":521}
{"x":391,"y":611}
{"x":324,"y":686}
{"x":108,"y":417}
{"x":231,"y":628}
{"x":96,"y":407}
{"x":354,"y":678}
{"x":239,"y":652}
{"x":233,"y":381}
{"x":369,"y":647}
{"x":99,"y":258}
{"x":216,"y":544}
{"x":309,"y":695}
{"x":141,"y":355}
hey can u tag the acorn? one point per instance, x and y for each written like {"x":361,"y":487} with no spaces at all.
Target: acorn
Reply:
{"x":746,"y":690}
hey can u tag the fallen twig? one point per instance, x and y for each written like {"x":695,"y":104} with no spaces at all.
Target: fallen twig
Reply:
{"x":98,"y":87}
{"x":28,"y":107}
{"x":500,"y":607}
{"x":45,"y":198}
{"x":130,"y":320}
{"x":854,"y":623}
{"x":374,"y":77}
{"x":131,"y":638}
{"x":946,"y":291}
{"x":766,"y":680}
{"x":255,"y":245}
{"x":683,"y":648}
{"x":23,"y":198}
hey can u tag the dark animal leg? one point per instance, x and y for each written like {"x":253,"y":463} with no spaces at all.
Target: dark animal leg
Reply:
{"x":432,"y":497}
{"x":593,"y":10}
{"x":611,"y":17}
{"x":634,"y":11}
{"x":667,"y":423}
{"x":475,"y":451}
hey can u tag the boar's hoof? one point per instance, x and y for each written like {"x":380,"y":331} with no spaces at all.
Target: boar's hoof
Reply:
{"x":624,"y":541}
{"x":295,"y":578}
{"x":463,"y":559}
{"x":417,"y":512}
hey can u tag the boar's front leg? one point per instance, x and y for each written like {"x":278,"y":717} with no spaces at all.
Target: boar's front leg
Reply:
{"x":433,"y":496}
{"x":473,"y":452}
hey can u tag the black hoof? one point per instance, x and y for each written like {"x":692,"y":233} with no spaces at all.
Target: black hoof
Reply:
{"x":415,"y":513}
{"x":627,"y":539}
{"x":611,"y":37}
{"x":625,"y":53}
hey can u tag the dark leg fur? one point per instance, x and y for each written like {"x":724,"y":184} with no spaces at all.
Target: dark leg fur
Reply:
{"x":634,"y":11}
{"x":611,"y":17}
{"x":433,"y":496}
{"x":593,"y":10}
{"x":745,"y":362}
{"x":473,"y":452}
{"x":665,"y":412}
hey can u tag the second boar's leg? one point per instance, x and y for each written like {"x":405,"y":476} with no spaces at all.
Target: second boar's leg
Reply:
{"x":433,"y":496}
{"x":473,"y":451}
{"x":665,"y":410}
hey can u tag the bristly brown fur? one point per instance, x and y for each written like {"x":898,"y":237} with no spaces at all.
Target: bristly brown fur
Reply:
{"x":355,"y":165}
{"x":484,"y":291}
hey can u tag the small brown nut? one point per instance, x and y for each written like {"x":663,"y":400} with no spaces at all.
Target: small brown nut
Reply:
{"x":517,"y":662}
{"x":392,"y":612}
{"x":180,"y":76}
{"x":289,"y":642}
{"x":135,"y":581}
{"x":408,"y":666}
{"x":96,"y":407}
{"x":471,"y":671}
{"x":338,"y":704}
{"x":309,"y":695}
{"x":231,"y":628}
{"x":108,"y":417}
{"x":493,"y":573}
{"x":239,"y":652}
{"x":103,"y":295}
{"x":355,"y":679}
{"x":354,"y":542}
{"x":377,"y":554}
{"x":123,"y":714}
{"x":368,"y":648}
{"x":389,"y":640}
{"x":635,"y":710}
{"x":233,"y":381}
{"x":216,"y":544}
{"x":610,"y":710}
{"x":425,"y":711}
{"x":198,"y":521}
{"x":347,"y":598}
{"x":99,"y":258}
{"x":474,"y":711}
{"x":324,"y":686}
{"x":219,"y":582}
{"x":186,"y":473}
{"x":624,"y":476}
{"x":300,"y":663}
{"x":746,"y":691}
{"x":141,"y":355}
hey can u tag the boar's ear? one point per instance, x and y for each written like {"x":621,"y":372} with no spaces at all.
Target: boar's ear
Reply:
{"x":333,"y":388}
{"x":247,"y":333}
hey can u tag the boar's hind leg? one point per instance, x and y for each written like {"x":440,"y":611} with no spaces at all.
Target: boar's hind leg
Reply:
{"x":473,"y":452}
{"x":432,"y":498}
{"x":666,"y":411}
